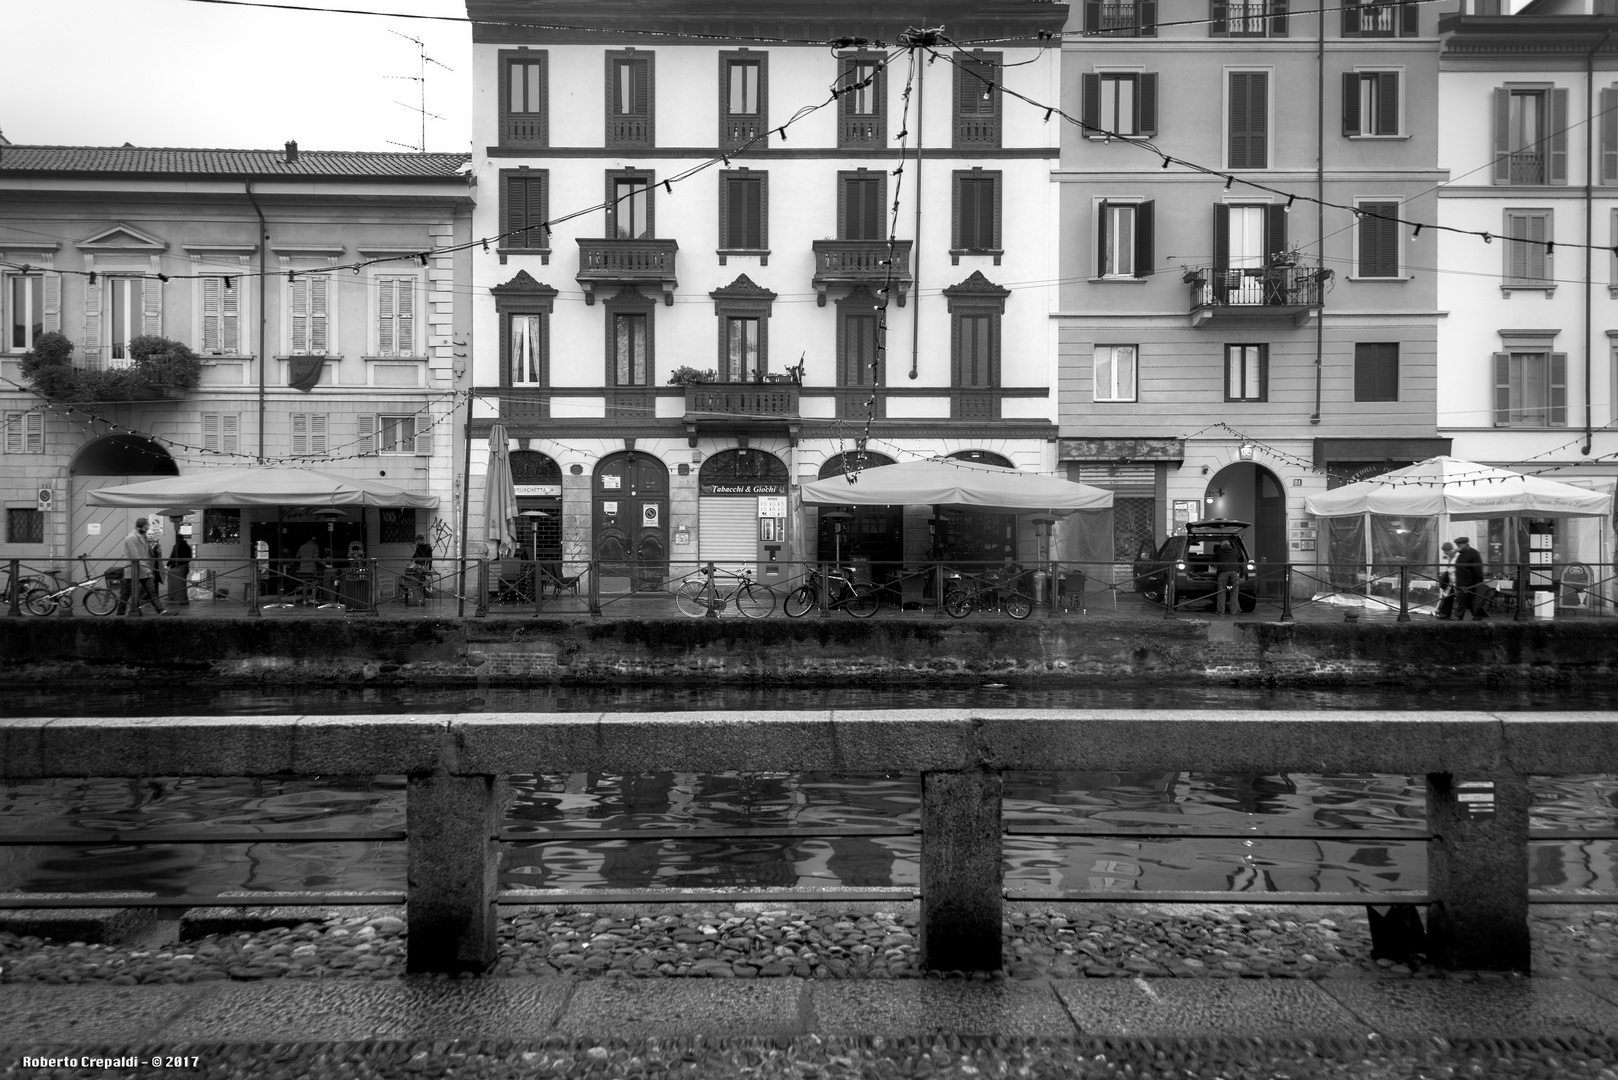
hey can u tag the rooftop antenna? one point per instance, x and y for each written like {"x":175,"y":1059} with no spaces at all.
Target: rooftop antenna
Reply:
{"x":420,"y":79}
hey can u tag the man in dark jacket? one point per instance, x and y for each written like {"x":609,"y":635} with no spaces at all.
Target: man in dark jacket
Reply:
{"x":1468,"y":580}
{"x":1228,"y":583}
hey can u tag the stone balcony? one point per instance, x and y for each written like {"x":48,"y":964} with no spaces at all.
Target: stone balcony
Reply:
{"x":872,"y":263}
{"x":627,"y":262}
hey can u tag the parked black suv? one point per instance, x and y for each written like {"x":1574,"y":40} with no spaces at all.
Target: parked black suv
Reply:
{"x":1191,"y":558}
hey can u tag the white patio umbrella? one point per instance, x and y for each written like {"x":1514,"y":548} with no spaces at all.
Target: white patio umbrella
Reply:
{"x":499,"y":492}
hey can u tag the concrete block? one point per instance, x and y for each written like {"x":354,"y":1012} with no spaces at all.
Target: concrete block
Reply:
{"x":506,"y":743}
{"x":199,"y":922}
{"x":369,"y":744}
{"x":696,"y":741}
{"x":880,"y":740}
{"x":93,"y":926}
{"x":77,"y":1016}
{"x":962,"y":872}
{"x":453,"y":858}
{"x":21,"y":748}
{"x":1477,"y":872}
{"x":1513,"y":1008}
{"x":1558,"y":743}
{"x":628,"y":1008}
{"x":1187,"y":1008}
{"x":938,"y":1007}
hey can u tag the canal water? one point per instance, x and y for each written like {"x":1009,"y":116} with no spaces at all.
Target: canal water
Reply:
{"x":572,"y":810}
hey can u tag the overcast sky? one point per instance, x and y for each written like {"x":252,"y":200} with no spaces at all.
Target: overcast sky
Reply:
{"x":177,"y":73}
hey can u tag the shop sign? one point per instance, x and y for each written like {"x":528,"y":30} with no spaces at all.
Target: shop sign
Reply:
{"x":743,"y":487}
{"x":772,"y":506}
{"x":542,"y":491}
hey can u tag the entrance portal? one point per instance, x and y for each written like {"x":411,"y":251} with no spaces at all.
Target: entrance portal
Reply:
{"x":111,"y":461}
{"x":1245,"y":491}
{"x":631,"y":522}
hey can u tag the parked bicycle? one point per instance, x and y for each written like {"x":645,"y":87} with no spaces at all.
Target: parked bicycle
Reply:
{"x":860,"y":599}
{"x":98,"y":599}
{"x":973,"y":592}
{"x":699,"y":596}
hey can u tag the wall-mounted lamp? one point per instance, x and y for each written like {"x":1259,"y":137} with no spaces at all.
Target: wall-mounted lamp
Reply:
{"x":1246,"y":451}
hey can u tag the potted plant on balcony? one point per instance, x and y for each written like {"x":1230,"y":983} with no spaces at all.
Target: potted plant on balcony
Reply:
{"x":686,"y":375}
{"x":158,"y":368}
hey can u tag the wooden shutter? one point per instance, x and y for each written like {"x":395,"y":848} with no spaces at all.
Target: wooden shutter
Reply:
{"x":298,"y":299}
{"x":970,"y":73}
{"x":1275,"y":231}
{"x":212,"y":324}
{"x":862,"y":208}
{"x":1145,"y":256}
{"x":1351,"y":97}
{"x":1387,"y":103}
{"x":745,"y":212}
{"x":538,"y":235}
{"x":424,"y":436}
{"x":405,"y":333}
{"x":366,"y":444}
{"x":151,"y":306}
{"x":1146,"y":18}
{"x":1351,"y":18}
{"x":1558,"y":390}
{"x":1217,"y":24}
{"x":384,"y":316}
{"x":1558,"y":136}
{"x":93,"y":293}
{"x":1103,"y":231}
{"x":230,"y":429}
{"x":1092,"y":15}
{"x":230,"y":318}
{"x":317,"y":433}
{"x":53,"y":302}
{"x":1279,"y":23}
{"x":1502,"y":389}
{"x":1502,"y":135}
{"x":1146,"y":104}
{"x":1090,"y":102}
{"x":1609,"y":136}
{"x":1249,"y":120}
{"x":1221,"y":259}
{"x":14,"y":432}
{"x":319,"y":285}
{"x":1409,"y":19}
{"x":1379,"y":240}
{"x":300,"y":433}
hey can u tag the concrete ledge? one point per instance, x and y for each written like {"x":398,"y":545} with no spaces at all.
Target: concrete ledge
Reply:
{"x":93,"y":926}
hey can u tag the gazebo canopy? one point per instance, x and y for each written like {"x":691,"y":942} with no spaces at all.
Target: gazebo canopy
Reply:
{"x":264,"y":485}
{"x":947,"y":482}
{"x":1462,"y":490}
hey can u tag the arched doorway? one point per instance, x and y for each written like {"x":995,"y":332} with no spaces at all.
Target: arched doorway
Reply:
{"x":1247,"y":491}
{"x":538,"y":480}
{"x":112,"y":461}
{"x":741,"y":509}
{"x":972,"y":536}
{"x":873,"y":535}
{"x":631,"y":512}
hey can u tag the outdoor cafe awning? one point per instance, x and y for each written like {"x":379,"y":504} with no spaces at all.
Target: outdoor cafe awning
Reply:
{"x":268,"y":485}
{"x":1462,"y":490}
{"x":946,"y":482}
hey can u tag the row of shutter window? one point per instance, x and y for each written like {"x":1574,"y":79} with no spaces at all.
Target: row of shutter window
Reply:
{"x":1378,"y":237}
{"x":1370,"y":107}
{"x":221,"y":432}
{"x":1254,"y":17}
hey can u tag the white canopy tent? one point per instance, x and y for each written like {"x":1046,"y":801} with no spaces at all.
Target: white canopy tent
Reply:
{"x":264,"y":485}
{"x":948,"y":482}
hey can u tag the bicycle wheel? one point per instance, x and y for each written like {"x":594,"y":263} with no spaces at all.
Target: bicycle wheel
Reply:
{"x":692,"y":598}
{"x":1018,"y":606}
{"x":755,"y":600}
{"x":100,"y":601}
{"x":958,"y":604}
{"x":863,"y":601}
{"x":800,"y":601}
{"x":38,"y":601}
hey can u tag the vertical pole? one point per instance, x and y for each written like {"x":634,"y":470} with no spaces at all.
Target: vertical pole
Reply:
{"x":1404,"y":594}
{"x":595,"y":587}
{"x":1477,"y":870}
{"x":710,"y":599}
{"x":1520,"y":613}
{"x":451,"y":878}
{"x":482,"y":611}
{"x":13,"y":611}
{"x":251,"y":592}
{"x":1286,"y":592}
{"x":1168,"y":594}
{"x":961,"y":871}
{"x":370,"y":586}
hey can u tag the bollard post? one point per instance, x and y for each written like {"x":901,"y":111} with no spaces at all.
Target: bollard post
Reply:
{"x":1519,"y":613}
{"x":961,"y":871}
{"x":1286,"y":593}
{"x":371,"y":581}
{"x":1168,"y":596}
{"x":1477,"y":871}
{"x":450,"y":887}
{"x":595,"y":587}
{"x":482,"y":610}
{"x":709,"y":597}
{"x":13,"y":610}
{"x":825,"y":591}
{"x":1404,"y":594}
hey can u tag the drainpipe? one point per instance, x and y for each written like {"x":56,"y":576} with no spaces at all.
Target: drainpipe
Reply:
{"x":263,"y":358}
{"x":1589,"y":224}
{"x":1320,"y":200}
{"x":915,"y":287}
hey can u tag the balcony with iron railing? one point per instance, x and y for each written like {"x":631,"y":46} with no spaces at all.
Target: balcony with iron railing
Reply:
{"x":749,"y":400}
{"x":627,"y":262}
{"x":1526,"y":167}
{"x":873,"y":263}
{"x":1245,"y":18}
{"x":1117,"y":20}
{"x":1290,"y":292}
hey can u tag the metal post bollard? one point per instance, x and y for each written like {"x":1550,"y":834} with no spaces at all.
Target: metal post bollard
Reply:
{"x":1404,"y":594}
{"x":1168,"y":596}
{"x":825,"y":592}
{"x":595,"y":587}
{"x":482,"y":610}
{"x":1522,"y":594}
{"x":1286,"y":593}
{"x":709,"y":597}
{"x":13,"y":610}
{"x":370,"y":586}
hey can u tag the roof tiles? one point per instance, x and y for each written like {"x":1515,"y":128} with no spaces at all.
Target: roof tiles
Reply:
{"x":179,"y":161}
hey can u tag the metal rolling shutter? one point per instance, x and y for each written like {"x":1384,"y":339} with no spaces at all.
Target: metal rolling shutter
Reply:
{"x":1134,"y":480}
{"x":727,"y":529}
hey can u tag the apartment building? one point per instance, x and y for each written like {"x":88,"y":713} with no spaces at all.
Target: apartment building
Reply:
{"x":1228,"y":344}
{"x":738,"y":248}
{"x":319,"y":290}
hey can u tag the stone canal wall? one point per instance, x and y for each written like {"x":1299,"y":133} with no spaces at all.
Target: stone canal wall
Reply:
{"x":783,"y":652}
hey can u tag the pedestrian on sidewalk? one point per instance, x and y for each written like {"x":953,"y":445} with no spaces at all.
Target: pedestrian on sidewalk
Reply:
{"x":179,"y":567}
{"x":1468,"y":580}
{"x":139,"y":583}
{"x":1228,"y":584}
{"x":1446,"y":582}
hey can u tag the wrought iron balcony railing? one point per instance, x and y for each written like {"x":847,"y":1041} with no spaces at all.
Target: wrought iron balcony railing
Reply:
{"x":1527,"y":167}
{"x":742,"y":399}
{"x":1293,"y":291}
{"x":627,"y":262}
{"x":872,"y":263}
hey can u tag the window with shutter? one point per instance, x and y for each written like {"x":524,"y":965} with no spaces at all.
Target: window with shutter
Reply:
{"x":25,"y":432}
{"x":524,"y":211}
{"x":307,"y":297}
{"x":1609,"y":135}
{"x":396,"y":316}
{"x":629,"y":204}
{"x":308,"y":434}
{"x":1248,"y":102}
{"x":221,"y":310}
{"x":1124,"y":242}
{"x":629,"y":99}
{"x":24,"y":303}
{"x":1370,"y":103}
{"x":125,"y":301}
{"x":1527,"y":259}
{"x":1247,"y":372}
{"x":1121,"y":18}
{"x":389,"y":434}
{"x":1378,"y":240}
{"x":976,"y":214}
{"x":862,"y":93}
{"x":977,"y":100}
{"x":742,"y":222}
{"x":1381,"y":18}
{"x":151,"y":306}
{"x":1248,"y":18}
{"x":1119,"y":104}
{"x":1376,"y":371}
{"x":1115,"y":369}
{"x":743,"y":98}
{"x":1530,"y":134}
{"x":860,"y":205}
{"x":221,"y":432}
{"x":524,"y":98}
{"x":1530,"y":389}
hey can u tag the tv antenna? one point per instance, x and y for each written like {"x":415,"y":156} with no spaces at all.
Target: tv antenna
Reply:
{"x":420,"y":79}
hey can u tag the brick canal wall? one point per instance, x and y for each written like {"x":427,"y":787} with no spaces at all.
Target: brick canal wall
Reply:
{"x":809,"y":651}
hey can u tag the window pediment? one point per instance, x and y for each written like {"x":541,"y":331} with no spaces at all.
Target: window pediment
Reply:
{"x":522,"y":286}
{"x":121,"y":237}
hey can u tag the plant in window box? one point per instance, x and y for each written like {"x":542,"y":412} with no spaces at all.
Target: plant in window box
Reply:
{"x":159,"y":368}
{"x":686,"y":375}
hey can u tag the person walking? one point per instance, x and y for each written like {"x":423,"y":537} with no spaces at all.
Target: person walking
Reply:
{"x":179,"y":568}
{"x":309,"y":571}
{"x":1228,"y":584}
{"x":1446,"y":582}
{"x":1468,"y":580}
{"x":139,"y":587}
{"x":419,"y":571}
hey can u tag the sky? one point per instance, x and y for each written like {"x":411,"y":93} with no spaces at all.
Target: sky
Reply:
{"x":180,"y":73}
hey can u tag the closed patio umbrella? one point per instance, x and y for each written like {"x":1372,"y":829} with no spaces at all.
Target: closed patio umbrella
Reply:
{"x":499,"y":492}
